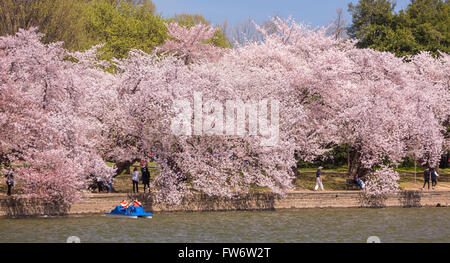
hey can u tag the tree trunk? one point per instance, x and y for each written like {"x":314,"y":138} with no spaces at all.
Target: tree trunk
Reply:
{"x":123,"y":166}
{"x":348,"y":159}
{"x":415,"y":168}
{"x":354,"y":164}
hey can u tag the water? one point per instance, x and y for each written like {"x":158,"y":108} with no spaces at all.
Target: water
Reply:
{"x":308,"y":225}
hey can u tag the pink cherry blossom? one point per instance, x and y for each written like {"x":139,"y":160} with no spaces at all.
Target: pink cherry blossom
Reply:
{"x":190,"y":43}
{"x":73,"y":114}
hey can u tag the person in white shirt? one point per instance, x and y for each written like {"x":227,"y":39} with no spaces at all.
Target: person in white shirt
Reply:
{"x":319,"y":179}
{"x":135,"y":180}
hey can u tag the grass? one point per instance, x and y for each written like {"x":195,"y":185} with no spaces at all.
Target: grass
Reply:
{"x":3,"y":186}
{"x":332,"y":179}
{"x":335,"y":179}
{"x":122,"y":182}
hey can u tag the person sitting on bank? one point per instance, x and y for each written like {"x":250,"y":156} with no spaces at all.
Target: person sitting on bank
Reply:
{"x":9,"y":181}
{"x":359,"y":182}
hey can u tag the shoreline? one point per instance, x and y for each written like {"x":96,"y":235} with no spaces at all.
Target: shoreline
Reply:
{"x":94,"y":214}
{"x":96,"y":204}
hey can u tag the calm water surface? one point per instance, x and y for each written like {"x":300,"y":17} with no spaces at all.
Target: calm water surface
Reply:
{"x":309,"y":225}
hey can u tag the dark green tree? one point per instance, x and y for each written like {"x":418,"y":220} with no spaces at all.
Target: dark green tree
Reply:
{"x":372,"y":22}
{"x":422,"y":26}
{"x":429,"y":22}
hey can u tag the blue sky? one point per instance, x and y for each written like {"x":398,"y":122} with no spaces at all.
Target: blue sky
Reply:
{"x":316,"y":12}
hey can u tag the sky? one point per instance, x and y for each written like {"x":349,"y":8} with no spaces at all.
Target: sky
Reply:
{"x":314,"y":12}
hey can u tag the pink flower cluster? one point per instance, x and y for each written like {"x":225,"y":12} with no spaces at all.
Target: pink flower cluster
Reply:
{"x":382,"y":182}
{"x":51,"y":117}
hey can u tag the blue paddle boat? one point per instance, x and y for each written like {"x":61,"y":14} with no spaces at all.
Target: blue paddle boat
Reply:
{"x":129,"y":212}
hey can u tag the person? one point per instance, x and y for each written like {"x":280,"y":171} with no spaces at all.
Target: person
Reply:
{"x":143,"y":165}
{"x":110,"y":186}
{"x":98,"y":182}
{"x":135,"y":180}
{"x":359,"y":182}
{"x":136,"y":203}
{"x":123,"y":204}
{"x":426,"y":178}
{"x":146,"y":178}
{"x":434,"y":176}
{"x":9,"y":182}
{"x":319,"y":179}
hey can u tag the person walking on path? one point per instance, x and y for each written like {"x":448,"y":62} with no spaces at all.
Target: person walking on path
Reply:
{"x":426,"y":178}
{"x":9,"y":181}
{"x":434,"y":176}
{"x":319,"y":179}
{"x":146,"y":178}
{"x":135,"y":180}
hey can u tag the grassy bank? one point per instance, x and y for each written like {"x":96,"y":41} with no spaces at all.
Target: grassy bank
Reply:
{"x":122,"y":182}
{"x":333,"y":179}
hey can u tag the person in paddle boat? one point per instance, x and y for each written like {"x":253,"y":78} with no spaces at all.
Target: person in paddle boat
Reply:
{"x":137,"y":203}
{"x":123,"y":205}
{"x":133,"y":209}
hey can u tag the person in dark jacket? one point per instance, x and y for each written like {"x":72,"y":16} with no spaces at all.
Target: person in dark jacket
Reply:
{"x":146,"y":178}
{"x":9,"y":181}
{"x":434,"y":176}
{"x":426,"y":178}
{"x":99,"y":184}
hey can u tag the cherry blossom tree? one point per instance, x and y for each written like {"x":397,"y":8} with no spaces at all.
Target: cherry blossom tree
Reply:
{"x":329,"y":91}
{"x":378,"y":185}
{"x":47,"y":118}
{"x":190,"y":43}
{"x":298,"y":90}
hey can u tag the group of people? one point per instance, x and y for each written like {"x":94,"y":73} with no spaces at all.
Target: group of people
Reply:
{"x":427,"y":174}
{"x":125,"y":205}
{"x":100,"y":185}
{"x":145,"y":177}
